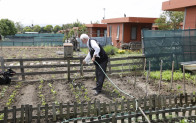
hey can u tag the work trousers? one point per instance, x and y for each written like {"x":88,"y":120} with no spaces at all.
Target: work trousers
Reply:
{"x":100,"y":76}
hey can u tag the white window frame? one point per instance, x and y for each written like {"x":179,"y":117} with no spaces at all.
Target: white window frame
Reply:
{"x":118,"y":32}
{"x":110,"y":33}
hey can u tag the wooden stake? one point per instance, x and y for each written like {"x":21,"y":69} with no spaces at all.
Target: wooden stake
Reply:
{"x":149,"y":70}
{"x":160,"y":76}
{"x":172,"y":75}
{"x":147,"y":83}
{"x":144,"y":67}
{"x":134,"y":77}
{"x":184,"y":79}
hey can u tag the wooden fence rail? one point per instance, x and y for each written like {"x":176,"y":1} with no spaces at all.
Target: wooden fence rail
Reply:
{"x":26,"y":67}
{"x":151,"y":105}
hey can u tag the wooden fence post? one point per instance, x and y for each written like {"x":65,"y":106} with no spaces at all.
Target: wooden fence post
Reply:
{"x":95,"y":108}
{"x":2,"y":64}
{"x":75,"y":109}
{"x":122,"y":120}
{"x":14,"y":114}
{"x":110,"y":107}
{"x":107,"y":117}
{"x":104,"y":109}
{"x":46,"y":112}
{"x":53,"y":112}
{"x":129,"y":117}
{"x":113,"y":118}
{"x":81,"y":67}
{"x":82,"y":109}
{"x":26,"y":113}
{"x":68,"y":111}
{"x":30,"y":113}
{"x":61,"y":111}
{"x":5,"y":114}
{"x":22,"y":69}
{"x":68,"y":69}
{"x":89,"y":109}
{"x":109,"y":66}
{"x":22,"y":114}
{"x":38,"y":113}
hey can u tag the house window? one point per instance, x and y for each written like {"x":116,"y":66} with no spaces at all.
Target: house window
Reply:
{"x":110,"y":34}
{"x":98,"y":33}
{"x":105,"y":33}
{"x":118,"y":32}
{"x":133,"y":33}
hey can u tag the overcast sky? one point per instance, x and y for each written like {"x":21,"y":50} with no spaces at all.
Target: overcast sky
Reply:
{"x":58,"y":12}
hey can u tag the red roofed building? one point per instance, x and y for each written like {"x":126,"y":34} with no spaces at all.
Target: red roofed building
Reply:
{"x":127,"y":29}
{"x":188,"y":6}
{"x":96,"y":30}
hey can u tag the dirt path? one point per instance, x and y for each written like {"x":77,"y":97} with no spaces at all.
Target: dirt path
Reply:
{"x":63,"y":92}
{"x":28,"y":95}
{"x":89,"y":85}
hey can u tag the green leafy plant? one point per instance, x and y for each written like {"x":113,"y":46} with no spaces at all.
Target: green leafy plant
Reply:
{"x":110,"y":50}
{"x":166,"y":75}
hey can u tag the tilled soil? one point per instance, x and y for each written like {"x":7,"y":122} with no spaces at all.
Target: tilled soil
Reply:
{"x":64,"y":91}
{"x":30,"y":93}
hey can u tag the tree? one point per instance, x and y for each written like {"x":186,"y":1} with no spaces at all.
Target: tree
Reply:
{"x":27,"y":29}
{"x":19,"y":27}
{"x":170,"y":20}
{"x":7,"y":27}
{"x":48,"y":28}
{"x":77,"y":24}
{"x":82,"y":29}
{"x":36,"y":28}
{"x":67,"y":26}
{"x":57,"y":28}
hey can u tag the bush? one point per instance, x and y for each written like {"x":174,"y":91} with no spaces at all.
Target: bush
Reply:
{"x":110,"y":50}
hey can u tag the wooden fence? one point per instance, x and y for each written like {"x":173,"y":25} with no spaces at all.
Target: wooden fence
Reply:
{"x":151,"y":105}
{"x":68,"y":66}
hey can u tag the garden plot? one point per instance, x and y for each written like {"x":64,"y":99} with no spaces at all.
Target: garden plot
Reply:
{"x":63,"y":91}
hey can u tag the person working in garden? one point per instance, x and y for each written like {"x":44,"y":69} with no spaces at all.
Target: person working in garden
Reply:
{"x":97,"y":55}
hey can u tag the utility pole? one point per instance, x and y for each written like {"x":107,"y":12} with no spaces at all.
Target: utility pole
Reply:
{"x":104,"y":13}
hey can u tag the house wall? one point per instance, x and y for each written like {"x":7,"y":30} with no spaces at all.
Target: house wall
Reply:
{"x":177,"y":5}
{"x":190,"y":18}
{"x":126,"y":38}
{"x":116,"y":42}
